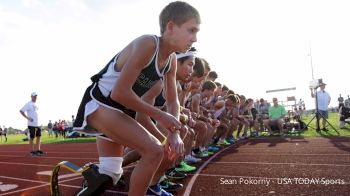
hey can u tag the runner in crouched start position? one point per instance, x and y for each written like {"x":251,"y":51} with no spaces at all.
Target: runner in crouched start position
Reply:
{"x":116,"y":92}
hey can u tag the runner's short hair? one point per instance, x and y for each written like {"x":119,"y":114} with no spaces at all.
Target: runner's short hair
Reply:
{"x":178,"y":12}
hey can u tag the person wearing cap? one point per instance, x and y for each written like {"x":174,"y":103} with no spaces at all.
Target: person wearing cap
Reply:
{"x":323,"y":100}
{"x":29,"y":111}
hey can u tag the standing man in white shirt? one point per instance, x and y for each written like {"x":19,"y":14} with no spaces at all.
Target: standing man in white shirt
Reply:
{"x":301,"y":106}
{"x":323,"y":100}
{"x":29,"y":111}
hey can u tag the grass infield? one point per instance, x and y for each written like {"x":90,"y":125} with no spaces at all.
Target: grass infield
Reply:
{"x":310,"y":132}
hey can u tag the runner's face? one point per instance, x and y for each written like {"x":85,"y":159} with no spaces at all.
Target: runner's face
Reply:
{"x":209,"y":93}
{"x":218,"y":90}
{"x":186,"y":34}
{"x":229,"y":104}
{"x":195,"y":83}
{"x":185,"y":69}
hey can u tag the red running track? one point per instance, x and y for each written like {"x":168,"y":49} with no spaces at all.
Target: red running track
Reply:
{"x":263,"y":166}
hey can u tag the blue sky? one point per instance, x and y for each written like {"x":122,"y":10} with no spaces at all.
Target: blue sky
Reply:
{"x":53,"y":47}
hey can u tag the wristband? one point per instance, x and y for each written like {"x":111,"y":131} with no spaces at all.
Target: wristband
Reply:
{"x":181,"y":108}
{"x":164,"y":142}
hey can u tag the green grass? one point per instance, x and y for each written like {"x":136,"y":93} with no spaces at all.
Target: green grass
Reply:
{"x":18,"y":139}
{"x":333,"y":119}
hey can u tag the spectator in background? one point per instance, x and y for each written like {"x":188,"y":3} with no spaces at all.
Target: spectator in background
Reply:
{"x":0,"y":134}
{"x":50,"y":129}
{"x":250,"y":114}
{"x":4,"y":133}
{"x":263,"y":109}
{"x":340,"y":100}
{"x":73,"y":120}
{"x":61,"y":128}
{"x":65,"y":128}
{"x":301,"y":107}
{"x":263,"y":113}
{"x":257,"y":104}
{"x":69,"y":130}
{"x":29,"y":111}
{"x":276,"y":117}
{"x":56,"y":129}
{"x":347,"y":102}
{"x":344,"y":113}
{"x":323,"y":100}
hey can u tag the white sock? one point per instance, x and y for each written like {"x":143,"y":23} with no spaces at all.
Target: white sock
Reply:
{"x":111,"y":166}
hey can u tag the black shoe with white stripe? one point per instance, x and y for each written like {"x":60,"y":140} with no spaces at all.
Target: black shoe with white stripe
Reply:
{"x":95,"y":183}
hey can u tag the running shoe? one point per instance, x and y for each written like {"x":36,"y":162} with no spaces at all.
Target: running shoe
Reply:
{"x":157,"y":190}
{"x":230,"y":140}
{"x":170,"y":186}
{"x":173,"y":174}
{"x":121,"y":182}
{"x":39,"y":153}
{"x":200,"y":154}
{"x":207,"y":152}
{"x":213,"y":148}
{"x":191,"y":159}
{"x":95,"y":183}
{"x":226,"y":143}
{"x":184,"y":167}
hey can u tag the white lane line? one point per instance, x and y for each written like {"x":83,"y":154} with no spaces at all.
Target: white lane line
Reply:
{"x":70,"y":186}
{"x":300,"y":147}
{"x":46,"y":157}
{"x":21,"y":190}
{"x":67,"y":175}
{"x":265,"y":163}
{"x":36,"y":181}
{"x":44,"y":173}
{"x":49,"y":172}
{"x":289,"y":154}
{"x":67,"y":180}
{"x":32,"y":164}
{"x":194,"y":177}
{"x":26,"y":164}
{"x":7,"y":187}
{"x":48,"y":184}
{"x":51,"y":152}
{"x":22,"y":179}
{"x":42,"y":184}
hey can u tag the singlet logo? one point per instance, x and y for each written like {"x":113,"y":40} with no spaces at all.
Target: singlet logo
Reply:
{"x":144,"y":81}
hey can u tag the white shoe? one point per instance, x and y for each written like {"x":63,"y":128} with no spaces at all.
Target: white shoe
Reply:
{"x":192,"y":159}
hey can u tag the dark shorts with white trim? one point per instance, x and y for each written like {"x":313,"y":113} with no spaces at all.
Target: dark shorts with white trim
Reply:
{"x":93,"y":94}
